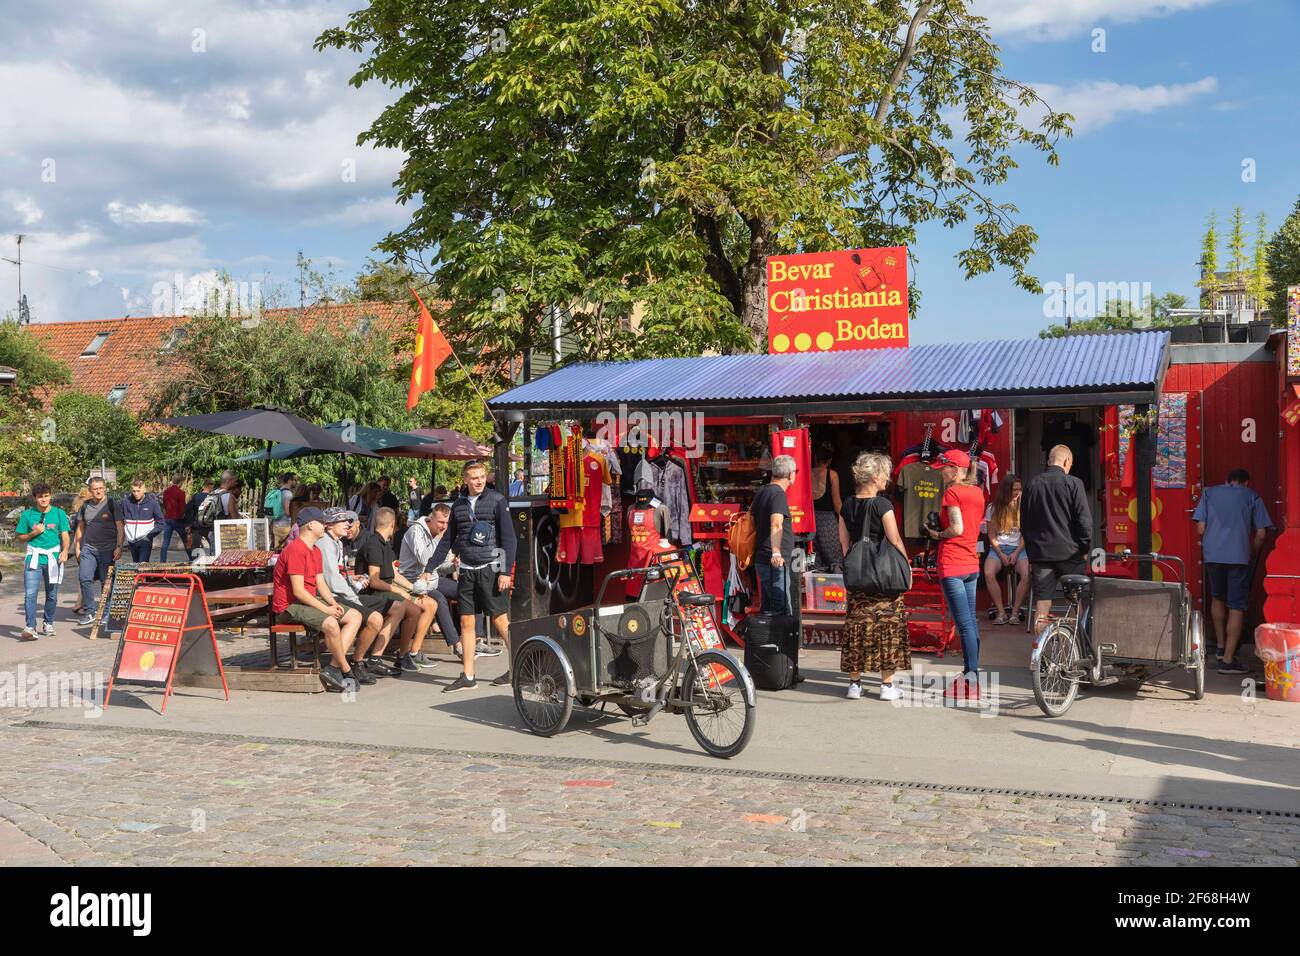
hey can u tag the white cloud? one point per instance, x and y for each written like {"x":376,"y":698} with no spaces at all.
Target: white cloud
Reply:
{"x":364,"y":212}
{"x":147,"y":213}
{"x":28,"y":212}
{"x":1099,"y":104}
{"x":1058,"y":19}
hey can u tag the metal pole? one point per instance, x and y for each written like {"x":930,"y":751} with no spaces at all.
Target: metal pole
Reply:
{"x":1144,"y":447}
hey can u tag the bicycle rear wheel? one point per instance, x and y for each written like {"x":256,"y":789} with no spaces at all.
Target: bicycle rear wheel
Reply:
{"x":1054,"y":688}
{"x":713,"y":698}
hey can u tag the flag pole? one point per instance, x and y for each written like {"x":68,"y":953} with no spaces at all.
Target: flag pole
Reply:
{"x":468,"y":374}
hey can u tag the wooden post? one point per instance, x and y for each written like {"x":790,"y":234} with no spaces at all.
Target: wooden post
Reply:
{"x":1144,"y":448}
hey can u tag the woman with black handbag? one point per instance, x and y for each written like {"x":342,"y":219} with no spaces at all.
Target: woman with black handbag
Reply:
{"x":876,"y":576}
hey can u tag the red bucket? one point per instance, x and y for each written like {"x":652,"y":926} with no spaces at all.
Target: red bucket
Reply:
{"x":1278,"y":646}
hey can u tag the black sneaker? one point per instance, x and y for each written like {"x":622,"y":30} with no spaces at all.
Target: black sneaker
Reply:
{"x":381,"y":668}
{"x":332,"y":678}
{"x":360,"y":673}
{"x":1233,"y":667}
{"x":407,"y":663}
{"x":502,"y":680}
{"x":461,"y":683}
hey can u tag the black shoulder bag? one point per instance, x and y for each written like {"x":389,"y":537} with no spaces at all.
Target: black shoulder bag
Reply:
{"x":876,"y":569}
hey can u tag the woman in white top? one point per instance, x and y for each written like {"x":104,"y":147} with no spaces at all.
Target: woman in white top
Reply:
{"x":1006,"y":549}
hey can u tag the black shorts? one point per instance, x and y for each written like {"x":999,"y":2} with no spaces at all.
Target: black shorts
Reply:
{"x":477,"y":592}
{"x":1047,"y":575}
{"x":367,"y":603}
{"x":381,"y":601}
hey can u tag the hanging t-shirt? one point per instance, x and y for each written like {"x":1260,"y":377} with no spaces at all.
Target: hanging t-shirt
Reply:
{"x":920,"y":486}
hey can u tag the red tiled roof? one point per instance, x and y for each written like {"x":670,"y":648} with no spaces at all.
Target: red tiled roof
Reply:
{"x":129,"y":355}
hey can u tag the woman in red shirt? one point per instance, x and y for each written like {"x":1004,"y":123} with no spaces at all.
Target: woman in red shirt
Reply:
{"x":960,"y":511}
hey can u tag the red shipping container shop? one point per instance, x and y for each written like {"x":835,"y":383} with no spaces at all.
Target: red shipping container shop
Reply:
{"x":1217,"y":407}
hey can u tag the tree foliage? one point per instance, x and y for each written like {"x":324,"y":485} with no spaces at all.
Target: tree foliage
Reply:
{"x":1117,"y":315}
{"x":1283,"y":259}
{"x":646,"y":156}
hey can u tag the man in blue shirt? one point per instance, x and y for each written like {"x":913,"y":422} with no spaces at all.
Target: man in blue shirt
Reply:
{"x":1231,"y":520}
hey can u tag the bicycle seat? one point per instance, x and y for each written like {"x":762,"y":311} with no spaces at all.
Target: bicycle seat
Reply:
{"x":697,"y":600}
{"x":1075,"y":582}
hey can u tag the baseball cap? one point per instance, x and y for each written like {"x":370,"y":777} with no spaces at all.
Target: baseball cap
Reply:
{"x":952,"y":456}
{"x":333,"y":515}
{"x":310,"y":514}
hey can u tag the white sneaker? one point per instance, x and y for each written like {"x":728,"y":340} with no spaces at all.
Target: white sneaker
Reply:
{"x":28,"y":634}
{"x":855,"y":691}
{"x":890,"y":692}
{"x":49,"y":629}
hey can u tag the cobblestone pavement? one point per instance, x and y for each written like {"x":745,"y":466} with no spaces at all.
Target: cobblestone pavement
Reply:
{"x":105,"y":795}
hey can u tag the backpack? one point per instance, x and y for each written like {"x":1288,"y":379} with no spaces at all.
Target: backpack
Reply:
{"x":273,"y":503}
{"x":209,"y":511}
{"x":742,"y":538}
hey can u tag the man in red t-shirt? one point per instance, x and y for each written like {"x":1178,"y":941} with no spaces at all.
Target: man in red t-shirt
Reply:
{"x":173,"y":502}
{"x":300,"y":595}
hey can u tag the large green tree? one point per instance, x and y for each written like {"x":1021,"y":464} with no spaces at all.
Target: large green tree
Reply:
{"x":1284,"y":264}
{"x":637,"y":160}
{"x":1120,"y":314}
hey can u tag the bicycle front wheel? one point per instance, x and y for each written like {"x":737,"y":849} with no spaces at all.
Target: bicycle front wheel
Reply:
{"x":1058,"y":656}
{"x":720,"y":717}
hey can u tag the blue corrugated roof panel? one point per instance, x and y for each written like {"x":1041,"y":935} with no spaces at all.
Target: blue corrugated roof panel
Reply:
{"x":1077,"y":363}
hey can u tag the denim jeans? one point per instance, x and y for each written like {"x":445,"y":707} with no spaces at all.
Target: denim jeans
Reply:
{"x":177,"y":528}
{"x":775,"y":598}
{"x":140,"y":550}
{"x":92,"y":564}
{"x":33,"y":578}
{"x":959,"y":592}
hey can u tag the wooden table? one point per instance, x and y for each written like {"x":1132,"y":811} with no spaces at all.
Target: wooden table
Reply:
{"x":273,"y":677}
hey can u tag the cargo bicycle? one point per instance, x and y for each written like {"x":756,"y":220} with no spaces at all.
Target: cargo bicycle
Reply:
{"x":646,"y":656}
{"x":1118,"y":628}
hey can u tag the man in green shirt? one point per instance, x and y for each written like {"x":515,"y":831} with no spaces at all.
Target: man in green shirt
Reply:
{"x":45,"y":529}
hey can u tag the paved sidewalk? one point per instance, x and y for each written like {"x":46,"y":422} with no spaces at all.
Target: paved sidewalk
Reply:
{"x":115,"y":796}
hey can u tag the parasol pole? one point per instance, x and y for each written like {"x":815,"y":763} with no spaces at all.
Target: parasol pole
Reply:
{"x":266,"y":477}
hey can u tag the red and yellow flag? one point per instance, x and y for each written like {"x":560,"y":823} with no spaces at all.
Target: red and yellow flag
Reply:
{"x":431,"y":350}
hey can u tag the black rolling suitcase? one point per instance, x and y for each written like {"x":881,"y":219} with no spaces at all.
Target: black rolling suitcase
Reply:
{"x":772,"y":650}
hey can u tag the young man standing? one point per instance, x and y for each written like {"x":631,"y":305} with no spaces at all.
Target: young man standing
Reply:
{"x":45,"y":529}
{"x":277,"y":508}
{"x":413,"y":497}
{"x":376,"y":630}
{"x":100,"y":532}
{"x":173,"y":502}
{"x":300,"y":595}
{"x":198,"y":537}
{"x":144,"y":520}
{"x":1232,"y":521}
{"x":479,"y":532}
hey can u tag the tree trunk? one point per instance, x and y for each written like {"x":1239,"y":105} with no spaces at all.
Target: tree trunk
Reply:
{"x":754,"y":281}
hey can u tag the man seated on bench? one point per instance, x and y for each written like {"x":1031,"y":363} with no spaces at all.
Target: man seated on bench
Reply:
{"x":421,"y":540}
{"x":300,"y":595}
{"x":377,"y":628}
{"x":378,"y":561}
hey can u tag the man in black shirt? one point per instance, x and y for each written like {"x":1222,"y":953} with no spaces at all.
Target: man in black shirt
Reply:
{"x":377,"y":559}
{"x":479,"y":532}
{"x":775,"y":544}
{"x":1056,"y":523}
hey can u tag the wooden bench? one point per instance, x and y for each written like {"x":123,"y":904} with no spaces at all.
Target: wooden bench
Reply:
{"x":293,"y":631}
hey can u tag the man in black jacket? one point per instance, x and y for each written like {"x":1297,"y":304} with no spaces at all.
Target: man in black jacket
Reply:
{"x":1057,"y":526}
{"x":478,"y":528}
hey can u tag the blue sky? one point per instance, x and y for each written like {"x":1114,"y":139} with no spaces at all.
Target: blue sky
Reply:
{"x":188,"y":138}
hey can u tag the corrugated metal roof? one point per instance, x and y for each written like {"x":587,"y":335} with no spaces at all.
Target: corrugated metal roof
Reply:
{"x":1077,"y":363}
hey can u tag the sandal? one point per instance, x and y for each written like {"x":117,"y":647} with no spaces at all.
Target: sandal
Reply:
{"x":1000,"y":619}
